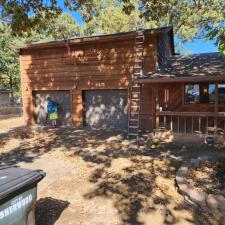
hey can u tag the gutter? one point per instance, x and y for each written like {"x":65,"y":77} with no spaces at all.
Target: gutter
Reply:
{"x":89,"y":39}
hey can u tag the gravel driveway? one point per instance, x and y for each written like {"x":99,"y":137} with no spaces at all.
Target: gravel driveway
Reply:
{"x":99,"y":177}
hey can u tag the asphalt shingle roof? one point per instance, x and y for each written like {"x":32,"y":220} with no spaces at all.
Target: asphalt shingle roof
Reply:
{"x":196,"y":65}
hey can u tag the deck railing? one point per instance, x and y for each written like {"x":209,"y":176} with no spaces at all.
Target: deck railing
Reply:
{"x":191,"y":122}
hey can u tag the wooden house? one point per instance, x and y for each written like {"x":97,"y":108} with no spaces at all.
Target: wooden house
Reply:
{"x":132,"y":81}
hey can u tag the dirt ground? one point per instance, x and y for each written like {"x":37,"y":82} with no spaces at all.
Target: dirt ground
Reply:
{"x":97,"y":177}
{"x":10,"y":121}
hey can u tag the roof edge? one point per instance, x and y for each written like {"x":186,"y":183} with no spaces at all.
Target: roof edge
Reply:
{"x":102,"y":37}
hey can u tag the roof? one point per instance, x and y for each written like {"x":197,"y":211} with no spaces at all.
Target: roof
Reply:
{"x":5,"y":90}
{"x":191,"y":67}
{"x":103,"y":37}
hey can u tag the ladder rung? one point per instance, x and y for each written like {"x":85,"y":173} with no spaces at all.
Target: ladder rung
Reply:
{"x":134,"y":106}
{"x":139,"y":36}
{"x":136,"y":92}
{"x":135,"y":86}
{"x":133,"y":127}
{"x":139,"y":42}
{"x":134,"y":113}
{"x":132,"y":123}
{"x":133,"y":119}
{"x":133,"y":99}
{"x":140,"y":32}
{"x":133,"y":134}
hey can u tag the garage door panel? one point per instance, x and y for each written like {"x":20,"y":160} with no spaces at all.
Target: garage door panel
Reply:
{"x":41,"y":102}
{"x":106,"y":108}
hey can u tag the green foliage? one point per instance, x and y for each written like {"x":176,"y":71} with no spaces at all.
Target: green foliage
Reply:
{"x":28,"y":21}
{"x":18,"y":13}
{"x":218,"y":34}
{"x":9,"y":65}
{"x":191,"y":19}
{"x":60,"y":27}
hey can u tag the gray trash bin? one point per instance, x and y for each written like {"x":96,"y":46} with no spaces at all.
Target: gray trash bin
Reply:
{"x":18,"y":195}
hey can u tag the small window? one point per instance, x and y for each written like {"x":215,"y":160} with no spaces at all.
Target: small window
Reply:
{"x":212,"y":92}
{"x":200,"y":93}
{"x":221,"y":93}
{"x":192,"y":93}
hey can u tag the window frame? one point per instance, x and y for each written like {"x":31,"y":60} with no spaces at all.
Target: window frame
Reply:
{"x":199,"y":103}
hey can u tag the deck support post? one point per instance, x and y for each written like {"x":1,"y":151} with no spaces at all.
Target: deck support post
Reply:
{"x":178,"y":124}
{"x":216,"y":107}
{"x":157,"y":108}
{"x":199,"y":124}
{"x":171,"y":123}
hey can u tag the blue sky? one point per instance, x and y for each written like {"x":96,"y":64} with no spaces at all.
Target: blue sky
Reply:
{"x":200,"y":46}
{"x":197,"y":46}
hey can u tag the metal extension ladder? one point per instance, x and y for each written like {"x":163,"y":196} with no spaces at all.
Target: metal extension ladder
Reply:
{"x":135,"y":88}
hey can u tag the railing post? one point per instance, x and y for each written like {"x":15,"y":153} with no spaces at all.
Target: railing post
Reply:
{"x":192,"y":125}
{"x":199,"y":124}
{"x":178,"y":124}
{"x":171,"y":123}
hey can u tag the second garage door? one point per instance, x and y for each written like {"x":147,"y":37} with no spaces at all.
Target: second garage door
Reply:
{"x":105,"y":108}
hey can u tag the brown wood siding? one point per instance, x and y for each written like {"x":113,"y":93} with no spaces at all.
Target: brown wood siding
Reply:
{"x":106,"y":65}
{"x":164,"y":50}
{"x":147,"y":108}
{"x":175,"y":101}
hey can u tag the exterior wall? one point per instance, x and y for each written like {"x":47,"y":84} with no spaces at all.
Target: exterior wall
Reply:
{"x":175,"y":100}
{"x":171,"y":98}
{"x":98,"y":65}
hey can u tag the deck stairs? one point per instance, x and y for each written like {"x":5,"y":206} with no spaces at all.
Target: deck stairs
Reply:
{"x":135,"y":88}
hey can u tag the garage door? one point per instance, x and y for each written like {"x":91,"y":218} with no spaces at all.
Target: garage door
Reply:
{"x":41,"y":102}
{"x":106,"y":108}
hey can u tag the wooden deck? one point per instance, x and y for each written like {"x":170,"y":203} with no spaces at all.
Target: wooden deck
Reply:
{"x":191,"y":122}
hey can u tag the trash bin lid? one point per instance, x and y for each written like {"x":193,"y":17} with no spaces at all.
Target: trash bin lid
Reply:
{"x":13,"y":179}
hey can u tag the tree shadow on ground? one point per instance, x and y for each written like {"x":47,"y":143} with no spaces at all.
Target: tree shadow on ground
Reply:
{"x":139,"y":177}
{"x":48,"y":210}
